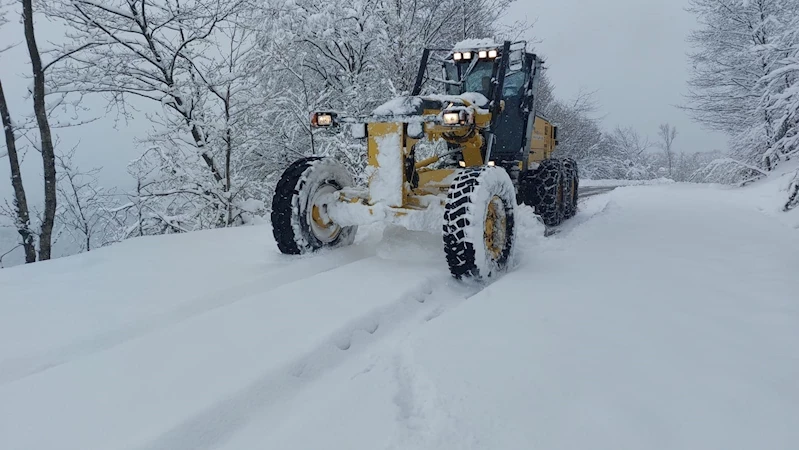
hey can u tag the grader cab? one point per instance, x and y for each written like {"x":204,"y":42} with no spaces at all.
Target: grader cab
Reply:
{"x":458,"y":161}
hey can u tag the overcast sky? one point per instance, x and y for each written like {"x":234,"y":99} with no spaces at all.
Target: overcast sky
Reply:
{"x":632,"y":52}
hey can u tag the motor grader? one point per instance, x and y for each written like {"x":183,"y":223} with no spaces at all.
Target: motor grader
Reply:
{"x":458,"y":160}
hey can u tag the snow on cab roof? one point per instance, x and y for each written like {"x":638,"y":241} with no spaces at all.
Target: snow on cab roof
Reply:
{"x":471,"y":44}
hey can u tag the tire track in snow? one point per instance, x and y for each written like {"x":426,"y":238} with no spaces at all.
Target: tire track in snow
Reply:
{"x":592,"y":205}
{"x":420,"y":422}
{"x":215,"y":425}
{"x":18,"y":368}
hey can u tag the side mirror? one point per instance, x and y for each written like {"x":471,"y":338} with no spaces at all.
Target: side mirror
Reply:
{"x":324,"y":119}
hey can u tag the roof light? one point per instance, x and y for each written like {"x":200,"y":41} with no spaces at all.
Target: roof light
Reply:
{"x":482,"y":54}
{"x":493,"y":54}
{"x":467,"y":55}
{"x":457,"y":56}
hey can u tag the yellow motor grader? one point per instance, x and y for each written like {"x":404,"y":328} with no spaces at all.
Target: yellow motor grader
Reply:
{"x":458,"y":161}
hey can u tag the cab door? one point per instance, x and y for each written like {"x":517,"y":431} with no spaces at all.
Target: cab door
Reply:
{"x":512,"y":122}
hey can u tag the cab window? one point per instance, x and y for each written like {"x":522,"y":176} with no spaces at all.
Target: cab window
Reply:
{"x":514,"y":84}
{"x":480,"y":79}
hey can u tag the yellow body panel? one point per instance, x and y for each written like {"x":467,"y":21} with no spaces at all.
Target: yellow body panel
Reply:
{"x":543,"y":143}
{"x":376,"y":131}
{"x":468,"y":138}
{"x":434,"y":181}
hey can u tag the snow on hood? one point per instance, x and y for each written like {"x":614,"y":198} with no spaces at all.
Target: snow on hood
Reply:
{"x":400,"y":106}
{"x":406,"y":106}
{"x":475,"y":98}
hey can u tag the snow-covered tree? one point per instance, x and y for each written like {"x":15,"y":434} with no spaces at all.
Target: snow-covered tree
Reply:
{"x":735,"y":49}
{"x":351,"y":57}
{"x":745,"y":83}
{"x":192,"y":59}
{"x":667,"y":134}
{"x":620,"y":154}
{"x":782,"y":102}
{"x":84,"y":207}
{"x":42,"y":141}
{"x":45,"y":144}
{"x":18,"y":211}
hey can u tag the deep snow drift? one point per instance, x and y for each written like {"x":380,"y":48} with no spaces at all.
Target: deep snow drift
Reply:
{"x":661,"y":316}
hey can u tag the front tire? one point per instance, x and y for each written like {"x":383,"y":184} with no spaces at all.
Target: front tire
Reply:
{"x":299,"y":222}
{"x":479,"y":223}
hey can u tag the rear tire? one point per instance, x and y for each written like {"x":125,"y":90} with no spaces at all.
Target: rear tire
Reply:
{"x":293,"y":216}
{"x":571,"y":188}
{"x":542,"y":189}
{"x":479,"y":223}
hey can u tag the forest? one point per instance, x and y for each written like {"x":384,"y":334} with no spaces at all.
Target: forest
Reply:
{"x":232,"y":84}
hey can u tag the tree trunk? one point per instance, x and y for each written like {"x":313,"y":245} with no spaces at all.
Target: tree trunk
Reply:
{"x":48,"y":153}
{"x":20,"y":199}
{"x":793,"y":198}
{"x":671,"y":163}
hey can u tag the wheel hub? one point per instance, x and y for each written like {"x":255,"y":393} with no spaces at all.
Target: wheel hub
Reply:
{"x":320,"y":223}
{"x":495,"y":228}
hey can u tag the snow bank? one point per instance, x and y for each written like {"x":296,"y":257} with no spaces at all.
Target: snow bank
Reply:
{"x":617,"y":183}
{"x":661,"y":316}
{"x":769,"y":195}
{"x":148,"y":341}
{"x":641,"y":327}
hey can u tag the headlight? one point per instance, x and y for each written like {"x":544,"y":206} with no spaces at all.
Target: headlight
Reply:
{"x":492,"y":163}
{"x":452,"y":118}
{"x":462,"y":163}
{"x":323,"y":119}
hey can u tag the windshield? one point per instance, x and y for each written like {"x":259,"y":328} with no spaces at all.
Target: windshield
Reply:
{"x":480,"y":79}
{"x":477,"y":81}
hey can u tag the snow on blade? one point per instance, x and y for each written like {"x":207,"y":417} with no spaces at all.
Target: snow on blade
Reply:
{"x":385,"y":181}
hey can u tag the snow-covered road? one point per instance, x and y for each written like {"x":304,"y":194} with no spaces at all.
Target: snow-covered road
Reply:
{"x":661,"y":316}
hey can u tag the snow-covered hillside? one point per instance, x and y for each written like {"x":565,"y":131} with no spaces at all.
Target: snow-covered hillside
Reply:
{"x":662,"y":316}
